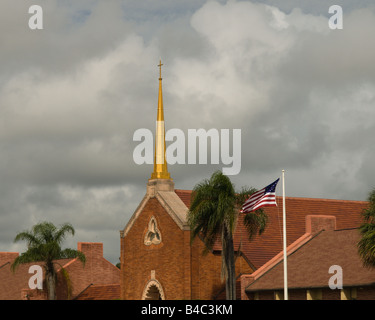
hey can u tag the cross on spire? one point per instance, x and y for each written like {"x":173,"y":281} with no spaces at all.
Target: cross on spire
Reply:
{"x":159,"y":65}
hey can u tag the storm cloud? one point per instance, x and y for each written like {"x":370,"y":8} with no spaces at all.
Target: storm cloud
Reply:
{"x":73,"y":94}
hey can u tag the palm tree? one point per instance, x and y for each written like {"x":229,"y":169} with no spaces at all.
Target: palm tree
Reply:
{"x":213,"y":214}
{"x":366,"y":245}
{"x":44,"y":244}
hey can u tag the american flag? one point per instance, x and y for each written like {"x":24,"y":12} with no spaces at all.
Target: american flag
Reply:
{"x":261,"y":198}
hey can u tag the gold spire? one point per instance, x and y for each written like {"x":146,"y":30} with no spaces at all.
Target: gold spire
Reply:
{"x":160,"y":161}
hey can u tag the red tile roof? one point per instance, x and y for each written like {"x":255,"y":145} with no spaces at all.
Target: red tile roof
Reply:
{"x":98,"y":270}
{"x":6,"y":257}
{"x":262,"y":248}
{"x":308,"y":266}
{"x":12,"y":283}
{"x":100,"y":292}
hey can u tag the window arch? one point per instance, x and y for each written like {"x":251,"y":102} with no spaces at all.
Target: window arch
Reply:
{"x":153,"y":291}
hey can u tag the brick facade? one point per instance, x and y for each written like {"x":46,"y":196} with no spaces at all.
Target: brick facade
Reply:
{"x":206,"y":273}
{"x":180,"y":268}
{"x":166,"y":259}
{"x":96,"y":270}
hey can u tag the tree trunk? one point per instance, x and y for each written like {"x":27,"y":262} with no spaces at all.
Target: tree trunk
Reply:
{"x":51,"y":283}
{"x":229,"y":264}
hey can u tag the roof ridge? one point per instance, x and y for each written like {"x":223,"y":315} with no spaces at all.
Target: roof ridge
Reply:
{"x":279,"y":258}
{"x":68,"y":263}
{"x":82,"y":291}
{"x":298,"y":198}
{"x":105,"y":285}
{"x":324,"y":199}
{"x":183,"y":190}
{"x":3,"y":265}
{"x":345,"y":229}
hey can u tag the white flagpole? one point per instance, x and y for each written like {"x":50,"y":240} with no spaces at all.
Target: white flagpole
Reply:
{"x":284,"y":244}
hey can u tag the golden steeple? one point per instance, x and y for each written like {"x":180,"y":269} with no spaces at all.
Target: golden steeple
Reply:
{"x":160,"y":161}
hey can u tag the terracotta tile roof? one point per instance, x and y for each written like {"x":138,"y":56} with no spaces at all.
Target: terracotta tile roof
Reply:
{"x":308,"y":266}
{"x":100,"y":292}
{"x":185,"y":196}
{"x":263,"y":248}
{"x":98,"y":270}
{"x":11,"y":284}
{"x":6,"y":257}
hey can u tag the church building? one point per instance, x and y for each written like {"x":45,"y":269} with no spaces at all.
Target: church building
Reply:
{"x":158,"y":260}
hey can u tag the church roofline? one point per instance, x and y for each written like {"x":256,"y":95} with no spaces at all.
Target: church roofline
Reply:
{"x":135,"y":215}
{"x":169,"y":200}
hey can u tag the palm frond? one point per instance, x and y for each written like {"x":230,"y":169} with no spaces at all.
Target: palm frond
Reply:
{"x":366,"y":245}
{"x":255,"y":222}
{"x":64,"y":229}
{"x":27,"y":236}
{"x":72,"y":253}
{"x":243,"y":195}
{"x":26,"y":257}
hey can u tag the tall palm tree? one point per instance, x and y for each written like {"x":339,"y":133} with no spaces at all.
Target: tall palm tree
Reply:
{"x":44,"y":244}
{"x":366,"y":245}
{"x":213,"y":214}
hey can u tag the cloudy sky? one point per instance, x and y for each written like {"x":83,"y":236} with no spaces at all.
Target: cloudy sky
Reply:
{"x":73,"y":94}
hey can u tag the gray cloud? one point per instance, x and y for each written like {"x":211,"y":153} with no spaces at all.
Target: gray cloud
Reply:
{"x":72,"y":95}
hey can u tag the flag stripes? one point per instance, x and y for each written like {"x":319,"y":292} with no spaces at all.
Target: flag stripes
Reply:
{"x":261,"y":198}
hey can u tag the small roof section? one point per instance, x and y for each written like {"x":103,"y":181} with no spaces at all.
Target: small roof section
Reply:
{"x":12,"y":284}
{"x":163,"y":191}
{"x":264,"y":247}
{"x":309,"y":265}
{"x":100,"y":292}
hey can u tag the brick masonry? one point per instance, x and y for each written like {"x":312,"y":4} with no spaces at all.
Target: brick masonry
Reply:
{"x":180,"y":268}
{"x":166,"y":259}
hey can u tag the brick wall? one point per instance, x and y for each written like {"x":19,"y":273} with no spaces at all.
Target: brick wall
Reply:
{"x":206,"y":273}
{"x":246,"y":279}
{"x":297,"y":294}
{"x":11,"y":283}
{"x":266,"y":295}
{"x":329,"y":294}
{"x":29,"y":294}
{"x":169,"y":259}
{"x":96,"y":270}
{"x":181,"y":269}
{"x":366,"y":293}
